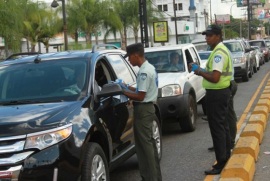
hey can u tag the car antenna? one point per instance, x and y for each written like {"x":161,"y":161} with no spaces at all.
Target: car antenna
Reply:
{"x":37,"y":59}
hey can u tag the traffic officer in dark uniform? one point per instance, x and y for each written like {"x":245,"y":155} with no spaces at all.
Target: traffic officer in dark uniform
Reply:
{"x":216,"y":81}
{"x":144,"y":112}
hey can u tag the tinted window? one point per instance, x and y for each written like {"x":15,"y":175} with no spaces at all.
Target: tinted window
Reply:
{"x":257,"y":43}
{"x":121,"y":69}
{"x":35,"y":81}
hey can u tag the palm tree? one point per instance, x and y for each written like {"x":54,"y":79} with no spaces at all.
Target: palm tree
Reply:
{"x":34,"y":13}
{"x":10,"y":26}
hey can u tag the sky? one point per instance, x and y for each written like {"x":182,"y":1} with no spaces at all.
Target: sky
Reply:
{"x":228,"y":7}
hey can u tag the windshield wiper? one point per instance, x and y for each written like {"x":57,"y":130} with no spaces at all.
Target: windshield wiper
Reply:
{"x":17,"y":102}
{"x":29,"y":102}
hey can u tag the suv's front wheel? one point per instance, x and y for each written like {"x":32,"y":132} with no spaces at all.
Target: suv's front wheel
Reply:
{"x":95,"y":166}
{"x":157,"y":136}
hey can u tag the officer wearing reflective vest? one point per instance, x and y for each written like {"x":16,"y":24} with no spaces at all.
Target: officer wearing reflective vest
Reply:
{"x":216,"y":81}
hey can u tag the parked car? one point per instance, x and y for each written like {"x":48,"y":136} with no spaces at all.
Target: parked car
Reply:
{"x":259,"y":55}
{"x":241,"y":59}
{"x":264,"y":46}
{"x":179,"y":89}
{"x":252,"y":56}
{"x":204,"y":55}
{"x":62,"y":117}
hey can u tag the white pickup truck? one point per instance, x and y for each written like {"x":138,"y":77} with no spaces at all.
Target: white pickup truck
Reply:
{"x":179,"y":89}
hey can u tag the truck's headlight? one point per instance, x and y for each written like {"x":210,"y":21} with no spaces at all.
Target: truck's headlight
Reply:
{"x":171,"y":90}
{"x":44,"y":139}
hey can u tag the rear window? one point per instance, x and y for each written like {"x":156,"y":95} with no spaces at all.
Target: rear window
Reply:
{"x":257,"y":43}
{"x":234,"y":46}
{"x":204,"y":55}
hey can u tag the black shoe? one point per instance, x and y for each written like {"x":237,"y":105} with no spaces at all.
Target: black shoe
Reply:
{"x":213,"y":171}
{"x":211,"y":148}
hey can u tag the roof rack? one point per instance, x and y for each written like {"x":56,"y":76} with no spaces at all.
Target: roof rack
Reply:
{"x":104,"y":46}
{"x":19,"y":55}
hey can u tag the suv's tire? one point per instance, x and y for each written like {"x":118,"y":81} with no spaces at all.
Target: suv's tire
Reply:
{"x":245,"y":77}
{"x":250,"y":72}
{"x":156,"y":128}
{"x":188,"y":122}
{"x":95,"y":164}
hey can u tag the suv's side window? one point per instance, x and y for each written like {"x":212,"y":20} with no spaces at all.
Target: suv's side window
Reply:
{"x":194,"y":55}
{"x":121,"y":69}
{"x":188,"y":57}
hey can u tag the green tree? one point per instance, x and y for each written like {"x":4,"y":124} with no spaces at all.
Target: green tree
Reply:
{"x":11,"y":24}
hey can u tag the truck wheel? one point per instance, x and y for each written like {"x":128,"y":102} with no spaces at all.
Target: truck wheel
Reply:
{"x":188,"y":122}
{"x":95,"y":166}
{"x":157,"y":136}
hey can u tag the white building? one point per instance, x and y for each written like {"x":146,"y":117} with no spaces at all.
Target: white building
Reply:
{"x":190,"y":21}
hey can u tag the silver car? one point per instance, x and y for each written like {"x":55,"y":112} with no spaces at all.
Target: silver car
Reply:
{"x":241,"y":59}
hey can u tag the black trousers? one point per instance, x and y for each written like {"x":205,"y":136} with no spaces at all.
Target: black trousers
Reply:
{"x":217,"y":108}
{"x":231,"y":116}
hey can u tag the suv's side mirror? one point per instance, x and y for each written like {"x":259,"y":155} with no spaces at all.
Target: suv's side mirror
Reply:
{"x":110,"y":89}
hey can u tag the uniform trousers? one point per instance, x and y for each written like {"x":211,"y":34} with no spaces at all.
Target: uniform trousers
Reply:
{"x":217,"y":108}
{"x":231,"y":116}
{"x":144,"y":114}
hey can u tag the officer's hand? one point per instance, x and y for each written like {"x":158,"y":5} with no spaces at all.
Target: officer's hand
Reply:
{"x":122,"y":84}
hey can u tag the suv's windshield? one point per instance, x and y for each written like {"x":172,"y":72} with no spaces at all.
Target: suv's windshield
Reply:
{"x":166,"y":61}
{"x":42,"y":82}
{"x":234,"y":46}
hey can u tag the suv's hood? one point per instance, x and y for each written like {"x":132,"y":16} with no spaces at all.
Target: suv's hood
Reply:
{"x":24,"y":119}
{"x":238,"y":54}
{"x":170,"y":78}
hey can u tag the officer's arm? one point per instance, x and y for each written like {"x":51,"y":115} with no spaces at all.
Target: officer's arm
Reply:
{"x":210,"y":76}
{"x":135,"y":96}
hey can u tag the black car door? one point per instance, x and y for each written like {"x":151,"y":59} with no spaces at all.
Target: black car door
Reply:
{"x":117,"y":111}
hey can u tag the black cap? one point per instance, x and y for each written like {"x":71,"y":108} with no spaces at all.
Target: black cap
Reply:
{"x":212,"y":29}
{"x":134,"y":48}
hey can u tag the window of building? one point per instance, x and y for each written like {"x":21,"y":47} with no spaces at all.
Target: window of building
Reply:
{"x":165,"y":7}
{"x":180,"y":6}
{"x":160,"y":7}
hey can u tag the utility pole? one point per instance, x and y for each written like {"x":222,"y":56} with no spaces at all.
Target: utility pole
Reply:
{"x":248,"y":12}
{"x":175,"y":22}
{"x":143,"y":23}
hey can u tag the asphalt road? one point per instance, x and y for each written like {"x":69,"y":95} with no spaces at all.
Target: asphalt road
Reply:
{"x":185,"y":155}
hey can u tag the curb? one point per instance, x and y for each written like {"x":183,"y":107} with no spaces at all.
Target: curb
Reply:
{"x":241,"y":165}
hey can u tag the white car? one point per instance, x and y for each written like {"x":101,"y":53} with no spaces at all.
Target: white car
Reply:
{"x":179,"y":89}
{"x":204,"y":55}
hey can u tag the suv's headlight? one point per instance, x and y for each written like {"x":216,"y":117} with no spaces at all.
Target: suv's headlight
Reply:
{"x":171,"y":90}
{"x":239,"y":60}
{"x":44,"y":139}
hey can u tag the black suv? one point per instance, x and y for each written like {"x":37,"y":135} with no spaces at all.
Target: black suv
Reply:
{"x":62,"y":117}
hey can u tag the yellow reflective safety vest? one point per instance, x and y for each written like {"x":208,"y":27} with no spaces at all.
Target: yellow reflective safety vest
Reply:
{"x":226,"y":73}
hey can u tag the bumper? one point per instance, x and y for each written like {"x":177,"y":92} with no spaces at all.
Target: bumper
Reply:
{"x":240,"y":70}
{"x":45,"y":165}
{"x":172,"y":108}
